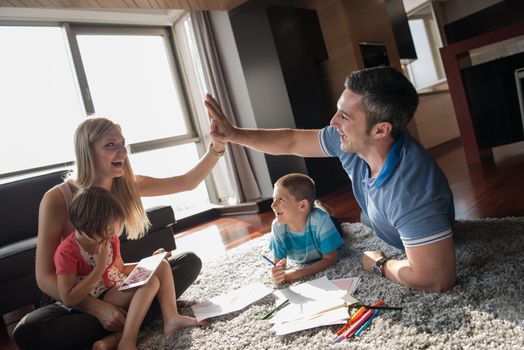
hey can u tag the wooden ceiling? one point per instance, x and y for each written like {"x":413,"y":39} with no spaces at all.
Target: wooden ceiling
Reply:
{"x":224,"y":5}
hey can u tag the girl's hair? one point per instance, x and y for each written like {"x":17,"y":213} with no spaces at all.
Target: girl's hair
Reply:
{"x":94,"y":210}
{"x":124,"y":188}
{"x":300,"y":186}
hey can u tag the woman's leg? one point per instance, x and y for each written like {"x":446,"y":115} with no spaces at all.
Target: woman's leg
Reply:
{"x":185,"y":267}
{"x":54,"y":327}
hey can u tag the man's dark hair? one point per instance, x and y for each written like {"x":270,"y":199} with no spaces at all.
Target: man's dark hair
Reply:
{"x":387,"y":96}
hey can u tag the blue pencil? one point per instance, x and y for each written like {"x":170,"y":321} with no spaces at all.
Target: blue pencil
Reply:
{"x":268,"y":260}
{"x":367,"y":324}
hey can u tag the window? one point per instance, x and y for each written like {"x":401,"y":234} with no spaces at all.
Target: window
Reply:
{"x":52,"y":77}
{"x":39,"y":100}
{"x":427,"y":69}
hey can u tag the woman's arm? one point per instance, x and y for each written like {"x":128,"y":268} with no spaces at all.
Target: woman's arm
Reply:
{"x":52,"y":218}
{"x":150,"y":186}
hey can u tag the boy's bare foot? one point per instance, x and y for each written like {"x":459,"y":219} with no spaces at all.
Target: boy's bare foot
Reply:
{"x":109,"y":342}
{"x":180,"y":322}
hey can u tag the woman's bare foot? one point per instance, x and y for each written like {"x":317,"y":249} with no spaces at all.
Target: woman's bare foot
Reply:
{"x":109,"y":342}
{"x":180,"y":322}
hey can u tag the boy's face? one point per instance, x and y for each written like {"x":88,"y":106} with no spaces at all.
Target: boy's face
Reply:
{"x":286,"y":207}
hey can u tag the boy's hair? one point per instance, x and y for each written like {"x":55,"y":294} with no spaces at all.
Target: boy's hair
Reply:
{"x":300,"y":186}
{"x":93,"y":210}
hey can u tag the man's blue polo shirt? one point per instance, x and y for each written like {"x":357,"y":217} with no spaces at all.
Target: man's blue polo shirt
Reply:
{"x":409,"y":203}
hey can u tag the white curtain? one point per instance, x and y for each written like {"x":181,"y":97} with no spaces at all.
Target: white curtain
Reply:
{"x":234,"y":179}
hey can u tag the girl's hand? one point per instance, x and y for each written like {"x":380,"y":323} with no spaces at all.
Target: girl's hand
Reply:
{"x":103,"y":253}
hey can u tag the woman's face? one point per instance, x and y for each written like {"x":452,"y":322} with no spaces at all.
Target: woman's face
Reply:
{"x":110,"y":153}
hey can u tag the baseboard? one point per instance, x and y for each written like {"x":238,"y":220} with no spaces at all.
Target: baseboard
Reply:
{"x":253,"y":207}
{"x":246,"y":208}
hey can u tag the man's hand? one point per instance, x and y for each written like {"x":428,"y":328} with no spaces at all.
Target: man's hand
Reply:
{"x":221,"y":128}
{"x":369,"y":258}
{"x":111,"y":317}
{"x":278,"y":272}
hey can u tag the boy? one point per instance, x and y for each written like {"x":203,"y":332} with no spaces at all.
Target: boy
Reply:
{"x":88,"y":262}
{"x":300,"y":231}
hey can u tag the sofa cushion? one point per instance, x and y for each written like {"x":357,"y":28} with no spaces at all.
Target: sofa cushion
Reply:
{"x":134,"y":250}
{"x":17,"y":259}
{"x":19,"y":203}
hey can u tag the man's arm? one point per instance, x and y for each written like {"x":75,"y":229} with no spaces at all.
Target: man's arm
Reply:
{"x":327,"y":260}
{"x":302,"y":143}
{"x":430,"y":267}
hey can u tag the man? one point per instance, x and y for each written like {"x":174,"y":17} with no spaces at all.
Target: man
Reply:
{"x":403,"y":194}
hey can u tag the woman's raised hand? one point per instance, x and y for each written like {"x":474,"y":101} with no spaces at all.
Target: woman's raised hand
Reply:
{"x":221,"y":128}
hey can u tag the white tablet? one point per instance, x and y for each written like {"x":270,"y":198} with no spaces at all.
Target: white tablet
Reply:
{"x":143,"y":271}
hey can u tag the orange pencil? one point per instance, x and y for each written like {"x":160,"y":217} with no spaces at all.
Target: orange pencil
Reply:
{"x":352,"y":320}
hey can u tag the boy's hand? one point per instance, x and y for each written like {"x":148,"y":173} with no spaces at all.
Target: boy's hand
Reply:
{"x":278,"y":271}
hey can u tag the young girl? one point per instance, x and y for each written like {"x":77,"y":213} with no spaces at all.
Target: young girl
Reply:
{"x":88,"y":262}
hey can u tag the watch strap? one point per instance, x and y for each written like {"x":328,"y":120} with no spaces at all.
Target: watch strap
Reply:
{"x":379,"y":266}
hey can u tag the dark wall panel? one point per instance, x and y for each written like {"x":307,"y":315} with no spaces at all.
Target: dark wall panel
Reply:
{"x":493,"y":100}
{"x":500,"y":15}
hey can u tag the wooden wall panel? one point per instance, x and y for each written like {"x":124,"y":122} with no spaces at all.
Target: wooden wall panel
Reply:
{"x":223,"y":5}
{"x":344,"y":24}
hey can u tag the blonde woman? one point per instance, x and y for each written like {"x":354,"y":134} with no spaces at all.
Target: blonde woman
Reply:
{"x":101,"y":161}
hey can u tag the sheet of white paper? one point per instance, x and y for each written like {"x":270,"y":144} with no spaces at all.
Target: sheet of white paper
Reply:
{"x":307,"y":299}
{"x":230,"y":302}
{"x":308,"y":291}
{"x":335,"y":316}
{"x":349,"y":284}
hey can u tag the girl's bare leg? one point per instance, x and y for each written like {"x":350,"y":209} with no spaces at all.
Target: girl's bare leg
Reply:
{"x":167,"y":299}
{"x":135,"y":314}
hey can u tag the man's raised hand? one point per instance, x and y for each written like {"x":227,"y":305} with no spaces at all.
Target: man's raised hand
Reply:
{"x":221,"y":127}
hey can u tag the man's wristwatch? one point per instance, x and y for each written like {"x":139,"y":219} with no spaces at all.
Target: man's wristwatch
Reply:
{"x":378,"y":268}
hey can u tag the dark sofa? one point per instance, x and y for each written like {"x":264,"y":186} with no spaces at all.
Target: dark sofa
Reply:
{"x":19,"y":203}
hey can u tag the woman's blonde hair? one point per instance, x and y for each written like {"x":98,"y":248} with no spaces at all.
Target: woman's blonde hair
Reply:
{"x":124,"y":188}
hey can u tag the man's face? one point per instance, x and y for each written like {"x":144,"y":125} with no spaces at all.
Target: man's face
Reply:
{"x":350,"y":122}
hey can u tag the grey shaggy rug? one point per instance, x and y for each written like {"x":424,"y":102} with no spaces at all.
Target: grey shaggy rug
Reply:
{"x":485,"y":310}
